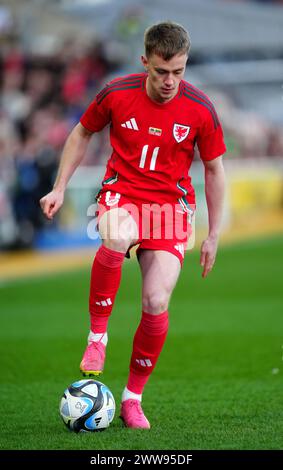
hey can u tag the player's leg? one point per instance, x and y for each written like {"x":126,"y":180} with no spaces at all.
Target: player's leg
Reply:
{"x":118,"y":231}
{"x":160,"y":271}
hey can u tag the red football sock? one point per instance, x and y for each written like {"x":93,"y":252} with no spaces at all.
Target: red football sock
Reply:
{"x":104,"y":284}
{"x":148,"y":343}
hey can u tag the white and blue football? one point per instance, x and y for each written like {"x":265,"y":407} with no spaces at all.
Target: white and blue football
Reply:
{"x":87,"y":406}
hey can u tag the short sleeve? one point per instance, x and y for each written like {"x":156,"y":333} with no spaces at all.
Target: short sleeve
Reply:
{"x":210,"y":139}
{"x":98,"y":114}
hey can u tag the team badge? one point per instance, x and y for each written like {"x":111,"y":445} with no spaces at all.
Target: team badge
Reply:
{"x":111,"y":199}
{"x":180,"y":132}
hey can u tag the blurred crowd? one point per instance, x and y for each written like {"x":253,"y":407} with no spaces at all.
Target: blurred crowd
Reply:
{"x":43,"y":97}
{"x":247,"y":133}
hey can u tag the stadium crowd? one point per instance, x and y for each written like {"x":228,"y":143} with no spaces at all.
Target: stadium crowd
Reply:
{"x":42,"y":97}
{"x":41,"y":100}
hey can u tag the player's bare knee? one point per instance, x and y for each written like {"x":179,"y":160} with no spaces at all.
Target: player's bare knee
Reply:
{"x":118,"y":229}
{"x":117,"y":245}
{"x":155,"y":303}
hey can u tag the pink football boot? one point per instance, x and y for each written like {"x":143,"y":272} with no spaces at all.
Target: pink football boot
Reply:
{"x":132,"y":415}
{"x":93,"y":359}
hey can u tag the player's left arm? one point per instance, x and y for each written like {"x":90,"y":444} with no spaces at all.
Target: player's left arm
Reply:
{"x":214,"y":192}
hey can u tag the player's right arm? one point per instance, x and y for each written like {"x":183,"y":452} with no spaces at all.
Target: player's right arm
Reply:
{"x":72,"y":155}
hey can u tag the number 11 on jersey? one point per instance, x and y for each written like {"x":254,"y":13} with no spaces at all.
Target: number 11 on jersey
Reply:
{"x":153,"y":157}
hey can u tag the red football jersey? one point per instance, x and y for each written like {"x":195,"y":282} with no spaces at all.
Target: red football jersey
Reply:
{"x":153,"y":144}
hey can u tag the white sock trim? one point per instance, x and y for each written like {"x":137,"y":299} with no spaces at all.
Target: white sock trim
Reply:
{"x":127,"y":395}
{"x":98,"y":337}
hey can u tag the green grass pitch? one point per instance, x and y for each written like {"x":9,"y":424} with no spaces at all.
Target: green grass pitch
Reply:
{"x":218,"y":383}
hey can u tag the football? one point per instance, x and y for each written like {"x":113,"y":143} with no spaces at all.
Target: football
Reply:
{"x":87,"y":406}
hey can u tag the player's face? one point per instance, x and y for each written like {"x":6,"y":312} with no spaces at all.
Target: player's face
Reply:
{"x":164,"y":76}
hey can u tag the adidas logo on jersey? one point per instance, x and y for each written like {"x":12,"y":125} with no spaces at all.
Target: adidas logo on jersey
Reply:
{"x":131,"y":124}
{"x":104,"y":303}
{"x":144,"y":362}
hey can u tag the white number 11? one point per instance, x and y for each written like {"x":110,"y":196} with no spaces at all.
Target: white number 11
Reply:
{"x":153,"y":157}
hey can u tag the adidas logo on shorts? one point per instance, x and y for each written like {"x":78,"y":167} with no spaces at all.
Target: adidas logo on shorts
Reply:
{"x":180,"y":247}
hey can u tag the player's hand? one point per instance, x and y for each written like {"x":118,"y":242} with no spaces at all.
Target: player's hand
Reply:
{"x":51,"y":203}
{"x":208,"y":254}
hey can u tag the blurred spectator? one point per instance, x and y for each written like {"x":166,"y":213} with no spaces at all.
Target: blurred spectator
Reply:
{"x":6,"y":20}
{"x":35,"y":163}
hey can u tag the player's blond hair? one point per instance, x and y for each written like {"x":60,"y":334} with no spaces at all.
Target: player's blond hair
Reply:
{"x":166,"y":39}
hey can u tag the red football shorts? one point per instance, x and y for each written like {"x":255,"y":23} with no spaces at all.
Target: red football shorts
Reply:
{"x":159,"y":226}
